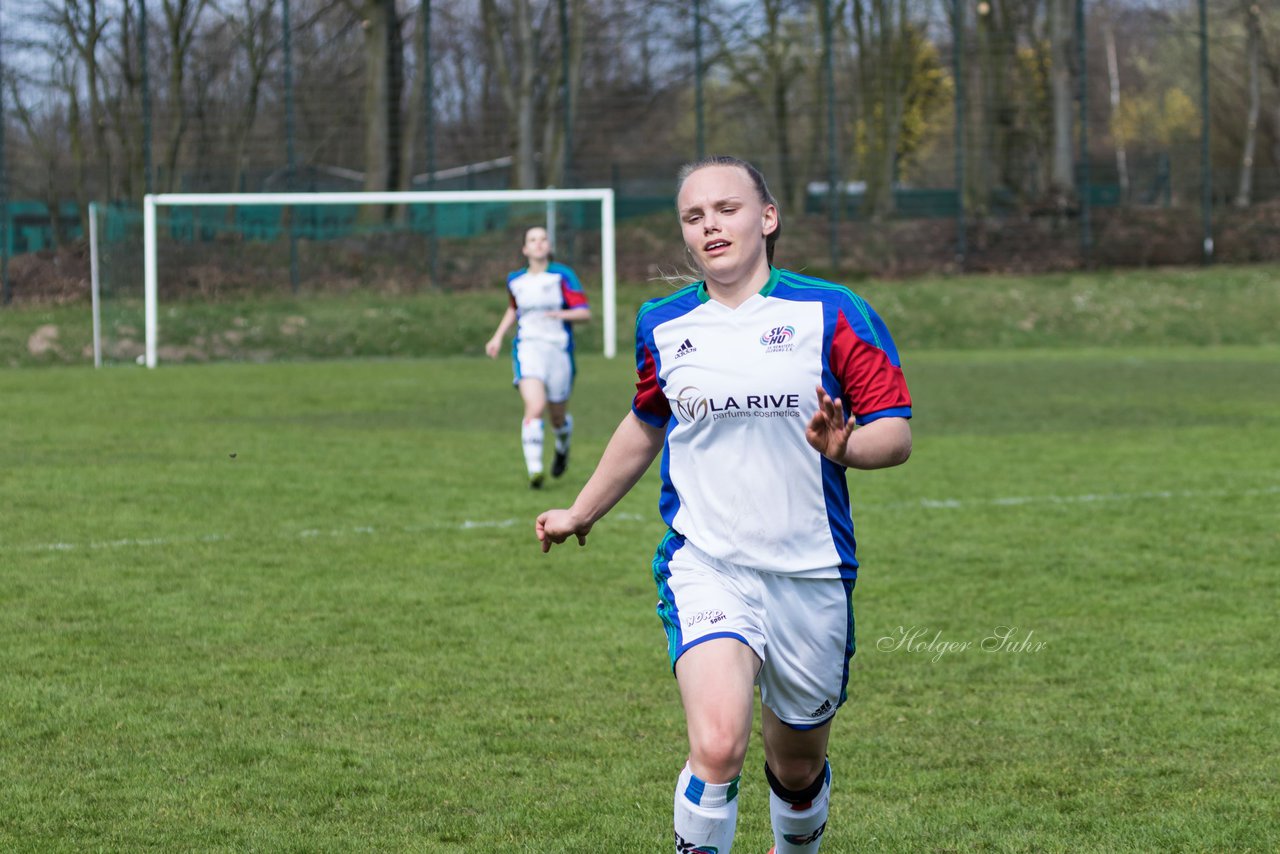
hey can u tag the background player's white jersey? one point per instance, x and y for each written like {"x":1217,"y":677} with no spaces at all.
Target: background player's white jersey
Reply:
{"x":535,"y":294}
{"x":735,"y":389}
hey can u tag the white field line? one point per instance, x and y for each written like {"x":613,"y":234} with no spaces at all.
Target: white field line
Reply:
{"x":1088,"y":498}
{"x":488,"y":524}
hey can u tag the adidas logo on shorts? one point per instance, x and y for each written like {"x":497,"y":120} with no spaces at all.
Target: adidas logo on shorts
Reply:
{"x":685,"y":349}
{"x":821,"y":710}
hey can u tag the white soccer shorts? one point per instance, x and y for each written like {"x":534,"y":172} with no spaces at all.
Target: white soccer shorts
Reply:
{"x":553,"y":365}
{"x":800,"y":628}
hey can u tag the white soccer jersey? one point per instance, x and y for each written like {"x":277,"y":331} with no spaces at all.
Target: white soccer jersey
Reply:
{"x":535,"y":294}
{"x":735,"y":389}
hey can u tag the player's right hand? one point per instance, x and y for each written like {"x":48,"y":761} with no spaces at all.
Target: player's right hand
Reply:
{"x":555,"y":526}
{"x":491,"y":348}
{"x":828,"y":431}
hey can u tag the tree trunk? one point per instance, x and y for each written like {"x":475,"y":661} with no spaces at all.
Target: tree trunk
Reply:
{"x":526,"y":75}
{"x":985,"y":87}
{"x":884,"y":39}
{"x":395,"y":95}
{"x":782,"y":125}
{"x":1113,"y":78}
{"x":78,"y":154}
{"x":414,"y":118}
{"x":996,"y":109}
{"x":1060,"y":93}
{"x":553,"y":129}
{"x":517,"y":77}
{"x":1253,"y":29}
{"x":377,"y":18}
{"x":97,"y":112}
{"x":1272,"y":66}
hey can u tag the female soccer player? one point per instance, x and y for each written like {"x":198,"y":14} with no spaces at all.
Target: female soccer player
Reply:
{"x":755,"y":576}
{"x":545,"y":299}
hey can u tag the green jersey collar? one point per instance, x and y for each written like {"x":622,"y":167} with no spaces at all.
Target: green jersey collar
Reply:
{"x":774,"y":275}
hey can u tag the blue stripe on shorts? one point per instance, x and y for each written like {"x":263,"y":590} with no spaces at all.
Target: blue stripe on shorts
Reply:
{"x":667,"y":612}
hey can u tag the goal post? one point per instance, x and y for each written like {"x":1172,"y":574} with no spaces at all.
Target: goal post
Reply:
{"x":608,"y":265}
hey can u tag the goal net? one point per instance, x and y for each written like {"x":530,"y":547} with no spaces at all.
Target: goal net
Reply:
{"x":245,"y":275}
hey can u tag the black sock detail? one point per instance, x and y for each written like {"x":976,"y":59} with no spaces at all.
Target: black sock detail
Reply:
{"x":803,"y":796}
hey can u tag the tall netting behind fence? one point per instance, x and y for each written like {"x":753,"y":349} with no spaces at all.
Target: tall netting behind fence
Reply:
{"x":908,"y":137}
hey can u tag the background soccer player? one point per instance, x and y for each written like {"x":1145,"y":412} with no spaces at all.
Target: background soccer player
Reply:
{"x":545,"y":299}
{"x":755,"y":576}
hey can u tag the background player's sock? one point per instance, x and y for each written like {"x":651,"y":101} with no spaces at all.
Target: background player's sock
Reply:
{"x":706,"y":814}
{"x":563,"y":434}
{"x":531,"y":439}
{"x":799,"y":818}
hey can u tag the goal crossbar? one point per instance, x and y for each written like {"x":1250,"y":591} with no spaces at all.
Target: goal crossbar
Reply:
{"x":608,"y":266}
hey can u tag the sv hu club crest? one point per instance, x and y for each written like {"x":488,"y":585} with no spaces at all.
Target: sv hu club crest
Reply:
{"x":778,"y":335}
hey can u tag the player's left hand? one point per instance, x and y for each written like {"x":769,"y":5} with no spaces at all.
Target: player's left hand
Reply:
{"x":828,"y":431}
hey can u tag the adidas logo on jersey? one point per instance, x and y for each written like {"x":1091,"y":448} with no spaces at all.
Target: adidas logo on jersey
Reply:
{"x":821,"y":710}
{"x":686,"y":348}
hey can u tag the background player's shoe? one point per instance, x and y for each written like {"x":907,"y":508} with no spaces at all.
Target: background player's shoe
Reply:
{"x":560,"y":463}
{"x":535,"y":481}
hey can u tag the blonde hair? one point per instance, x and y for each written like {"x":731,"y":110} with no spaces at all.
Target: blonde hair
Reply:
{"x":757,"y":179}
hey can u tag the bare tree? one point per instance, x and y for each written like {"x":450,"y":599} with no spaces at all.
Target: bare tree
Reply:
{"x":515,"y":52}
{"x":329,"y":80}
{"x":84,"y":24}
{"x":182,"y":20}
{"x":468,"y":99}
{"x":767,"y":64}
{"x":888,"y":45}
{"x":252,"y":28}
{"x":1008,"y":85}
{"x":122,"y":95}
{"x":46,"y":128}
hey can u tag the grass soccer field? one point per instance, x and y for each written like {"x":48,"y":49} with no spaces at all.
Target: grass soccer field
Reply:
{"x":301,"y":607}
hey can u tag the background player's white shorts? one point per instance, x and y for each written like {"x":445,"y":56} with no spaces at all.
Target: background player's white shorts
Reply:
{"x":551,"y":364}
{"x":800,"y":628}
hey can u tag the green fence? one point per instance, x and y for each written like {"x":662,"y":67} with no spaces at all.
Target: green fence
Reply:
{"x":31,"y":227}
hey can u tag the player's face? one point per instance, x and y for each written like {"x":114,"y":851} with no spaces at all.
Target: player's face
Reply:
{"x":725,"y":223}
{"x":537,"y":245}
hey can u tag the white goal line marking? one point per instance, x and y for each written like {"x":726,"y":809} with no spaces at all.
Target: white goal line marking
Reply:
{"x":486,"y":524}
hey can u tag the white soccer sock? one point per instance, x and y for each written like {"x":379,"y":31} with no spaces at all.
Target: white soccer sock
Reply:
{"x":563,"y":434}
{"x":706,"y":814}
{"x":799,"y":822}
{"x":531,"y":439}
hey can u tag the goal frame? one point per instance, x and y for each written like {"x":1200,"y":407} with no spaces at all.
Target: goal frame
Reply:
{"x":608,"y":260}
